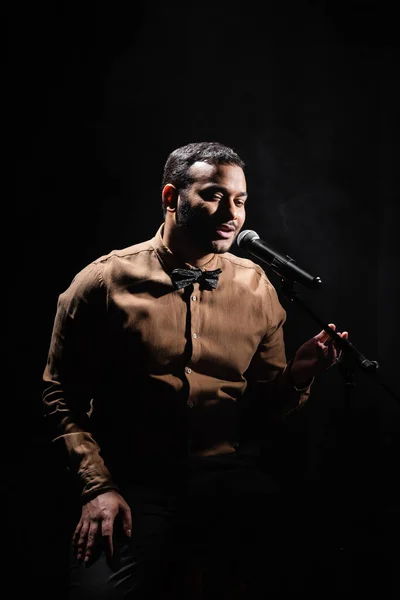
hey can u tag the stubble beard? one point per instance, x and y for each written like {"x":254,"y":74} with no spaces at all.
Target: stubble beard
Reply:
{"x":199,"y":226}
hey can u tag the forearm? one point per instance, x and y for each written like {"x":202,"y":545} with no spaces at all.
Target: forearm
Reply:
{"x":74,"y":443}
{"x":279,"y":396}
{"x":84,"y":460}
{"x":290,"y":394}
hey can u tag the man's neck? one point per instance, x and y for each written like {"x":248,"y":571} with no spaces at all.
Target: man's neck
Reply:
{"x":184,"y":249}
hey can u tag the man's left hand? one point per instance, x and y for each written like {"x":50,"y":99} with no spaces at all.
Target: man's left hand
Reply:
{"x":315,"y":356}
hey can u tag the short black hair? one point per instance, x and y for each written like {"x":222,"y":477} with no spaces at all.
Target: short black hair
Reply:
{"x":177,"y":166}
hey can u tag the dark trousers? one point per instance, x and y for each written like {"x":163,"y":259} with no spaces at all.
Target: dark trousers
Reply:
{"x":222,"y":515}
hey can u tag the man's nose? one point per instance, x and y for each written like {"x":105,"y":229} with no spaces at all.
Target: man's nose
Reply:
{"x":230,"y":210}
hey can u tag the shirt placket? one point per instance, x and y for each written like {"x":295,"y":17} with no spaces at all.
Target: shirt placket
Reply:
{"x":194,"y":307}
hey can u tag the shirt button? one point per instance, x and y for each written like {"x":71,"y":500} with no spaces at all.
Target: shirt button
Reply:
{"x":195,"y":335}
{"x":188,"y":370}
{"x":190,"y":404}
{"x":194,"y":298}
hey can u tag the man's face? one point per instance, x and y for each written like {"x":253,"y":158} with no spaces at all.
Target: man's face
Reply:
{"x":212,"y":209}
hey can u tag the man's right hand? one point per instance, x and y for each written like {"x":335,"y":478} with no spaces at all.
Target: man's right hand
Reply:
{"x":94,"y":532}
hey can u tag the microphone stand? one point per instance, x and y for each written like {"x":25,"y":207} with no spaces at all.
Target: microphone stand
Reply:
{"x":350,"y":358}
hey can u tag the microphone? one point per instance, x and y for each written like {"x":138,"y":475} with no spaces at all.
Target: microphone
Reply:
{"x":284,"y":266}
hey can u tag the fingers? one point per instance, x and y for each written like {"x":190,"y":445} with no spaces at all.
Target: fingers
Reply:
{"x":91,"y":542}
{"x":326,"y":353}
{"x":126,"y":517}
{"x":76,"y":535}
{"x":107,"y":530}
{"x":344,"y":336}
{"x":325,"y":342}
{"x":323,"y":335}
{"x":326,"y":339}
{"x":79,"y":540}
{"x":84,"y":540}
{"x":329,"y":348}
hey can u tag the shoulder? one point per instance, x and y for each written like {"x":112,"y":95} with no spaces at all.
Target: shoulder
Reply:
{"x":125,"y":253}
{"x":244,"y":269}
{"x":252,"y":284}
{"x":126,"y":265}
{"x":121,"y":258}
{"x":96,"y":275}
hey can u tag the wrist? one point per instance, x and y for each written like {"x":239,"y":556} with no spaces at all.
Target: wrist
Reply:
{"x":299,"y":381}
{"x":90,"y":495}
{"x":302,"y":386}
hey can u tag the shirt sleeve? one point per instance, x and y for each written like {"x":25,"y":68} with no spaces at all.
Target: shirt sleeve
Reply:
{"x":70,"y":377}
{"x":268,"y":376}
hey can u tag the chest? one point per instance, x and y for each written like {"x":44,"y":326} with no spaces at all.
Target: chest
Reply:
{"x":197,"y":324}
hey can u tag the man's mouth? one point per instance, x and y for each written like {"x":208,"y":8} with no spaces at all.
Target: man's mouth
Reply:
{"x":225,"y":231}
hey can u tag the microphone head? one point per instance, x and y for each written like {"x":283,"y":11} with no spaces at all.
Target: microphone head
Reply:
{"x":246,"y":236}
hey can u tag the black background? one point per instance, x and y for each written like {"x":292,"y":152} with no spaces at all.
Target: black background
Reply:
{"x":308,"y":94}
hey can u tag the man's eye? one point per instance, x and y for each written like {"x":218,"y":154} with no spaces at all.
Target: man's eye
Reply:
{"x":210,"y":195}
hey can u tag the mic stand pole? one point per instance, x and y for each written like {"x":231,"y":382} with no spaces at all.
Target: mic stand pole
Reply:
{"x":350,"y":357}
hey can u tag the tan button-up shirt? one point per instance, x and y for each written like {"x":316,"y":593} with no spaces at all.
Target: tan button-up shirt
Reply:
{"x":137,"y":368}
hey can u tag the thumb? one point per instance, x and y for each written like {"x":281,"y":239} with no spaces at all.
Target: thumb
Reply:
{"x":323,"y":335}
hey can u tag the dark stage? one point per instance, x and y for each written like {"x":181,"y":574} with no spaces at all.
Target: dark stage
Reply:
{"x":308,"y":94}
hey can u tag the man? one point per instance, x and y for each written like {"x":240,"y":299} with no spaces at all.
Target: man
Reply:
{"x":156,"y":351}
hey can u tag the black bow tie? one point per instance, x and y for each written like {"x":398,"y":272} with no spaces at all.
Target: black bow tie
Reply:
{"x":183,"y":277}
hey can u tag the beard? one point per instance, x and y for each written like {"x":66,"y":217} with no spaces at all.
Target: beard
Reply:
{"x":200,"y":225}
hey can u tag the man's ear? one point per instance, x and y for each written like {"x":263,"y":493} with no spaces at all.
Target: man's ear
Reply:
{"x":170,"y":197}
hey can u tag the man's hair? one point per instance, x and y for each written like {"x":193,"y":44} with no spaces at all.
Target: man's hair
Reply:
{"x":177,"y":166}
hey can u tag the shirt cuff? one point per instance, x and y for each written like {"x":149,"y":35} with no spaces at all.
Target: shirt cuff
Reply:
{"x":87,"y":496}
{"x":303,"y":385}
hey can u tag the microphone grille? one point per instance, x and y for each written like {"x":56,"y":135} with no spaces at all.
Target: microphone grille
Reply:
{"x":248,"y":235}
